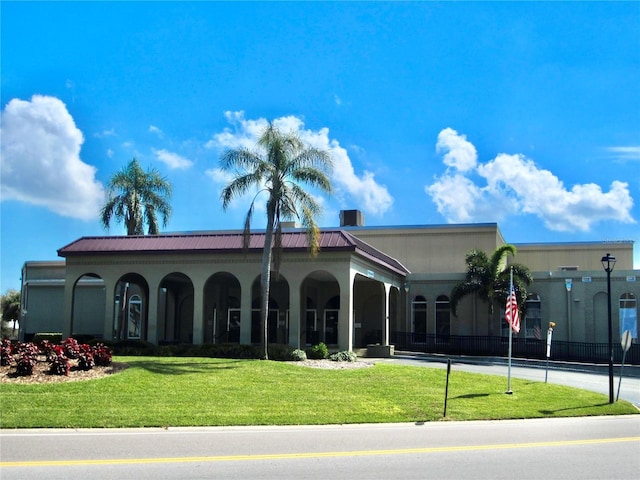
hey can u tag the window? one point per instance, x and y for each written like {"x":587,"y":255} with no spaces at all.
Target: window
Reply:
{"x":419,"y":319}
{"x":443,"y":319}
{"x":533,"y":317}
{"x":629,"y":314}
{"x":135,"y":317}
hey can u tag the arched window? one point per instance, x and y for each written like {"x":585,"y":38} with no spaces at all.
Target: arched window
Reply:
{"x":419,"y":319}
{"x":629,"y":314}
{"x":533,"y":317}
{"x":443,"y":319}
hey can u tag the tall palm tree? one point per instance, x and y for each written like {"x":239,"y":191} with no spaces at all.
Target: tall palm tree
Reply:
{"x":135,"y":197}
{"x":280,"y":163}
{"x":489,"y":278}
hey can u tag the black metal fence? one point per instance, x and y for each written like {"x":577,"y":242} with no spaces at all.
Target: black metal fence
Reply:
{"x":521,"y":348}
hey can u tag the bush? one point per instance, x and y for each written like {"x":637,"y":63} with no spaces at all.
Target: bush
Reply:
{"x":318,"y":352}
{"x":6,"y":352}
{"x":298,"y":355}
{"x":71,"y":348}
{"x":59,"y":362}
{"x":27,"y":359}
{"x":343,"y":356}
{"x":102,"y":355}
{"x":280,"y":352}
{"x":85,"y":358}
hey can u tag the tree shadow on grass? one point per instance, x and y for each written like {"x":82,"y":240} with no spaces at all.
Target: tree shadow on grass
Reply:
{"x":471,"y":395}
{"x":184,"y":367}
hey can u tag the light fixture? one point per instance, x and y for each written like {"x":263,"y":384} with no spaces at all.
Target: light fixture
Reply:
{"x":608,"y":262}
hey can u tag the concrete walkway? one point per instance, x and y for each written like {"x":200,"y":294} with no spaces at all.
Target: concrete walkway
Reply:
{"x":586,"y":376}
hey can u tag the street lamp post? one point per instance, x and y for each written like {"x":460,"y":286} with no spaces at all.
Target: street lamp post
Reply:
{"x":608,"y":262}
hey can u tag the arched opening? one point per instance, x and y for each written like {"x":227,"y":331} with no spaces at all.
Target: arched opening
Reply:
{"x":278,"y":316}
{"x":222,"y":296}
{"x":175,"y":308}
{"x":130,"y":307}
{"x":89,"y":300}
{"x":321,"y":292}
{"x":369,"y":311}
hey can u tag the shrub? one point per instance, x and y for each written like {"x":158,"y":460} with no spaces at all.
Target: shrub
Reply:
{"x":6,"y":352}
{"x":318,"y":352}
{"x":71,"y":348}
{"x":298,"y":355}
{"x":59,"y":362}
{"x":27,"y":359}
{"x":280,"y":352}
{"x":343,"y":356}
{"x":85,"y":358}
{"x":102,"y":355}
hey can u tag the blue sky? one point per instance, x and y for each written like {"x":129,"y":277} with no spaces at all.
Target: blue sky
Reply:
{"x":525,"y":114}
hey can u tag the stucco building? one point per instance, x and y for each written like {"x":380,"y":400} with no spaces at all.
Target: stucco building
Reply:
{"x":367,"y":285}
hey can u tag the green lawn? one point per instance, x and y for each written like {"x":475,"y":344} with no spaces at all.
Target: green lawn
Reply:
{"x":159,"y":391}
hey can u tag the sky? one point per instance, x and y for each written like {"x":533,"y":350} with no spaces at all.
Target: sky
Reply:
{"x":524,"y":114}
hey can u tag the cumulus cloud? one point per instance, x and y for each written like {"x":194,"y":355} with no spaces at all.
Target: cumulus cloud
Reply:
{"x":514,"y":184}
{"x":41,"y":161}
{"x":172,"y":160}
{"x":357,"y":190}
{"x":156,"y":130}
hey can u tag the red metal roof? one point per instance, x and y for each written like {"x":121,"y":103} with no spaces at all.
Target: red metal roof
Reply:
{"x":223,"y":242}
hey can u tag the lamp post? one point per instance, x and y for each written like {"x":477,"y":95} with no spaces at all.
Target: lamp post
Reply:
{"x":608,"y":262}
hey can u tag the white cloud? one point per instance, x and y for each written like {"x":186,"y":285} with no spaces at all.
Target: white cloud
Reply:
{"x":41,"y":161}
{"x":105,"y":133}
{"x":156,"y":130}
{"x":461,"y":154}
{"x":172,"y":160}
{"x":514,"y":184}
{"x":625,"y":153}
{"x":110,"y":153}
{"x":357,"y":191}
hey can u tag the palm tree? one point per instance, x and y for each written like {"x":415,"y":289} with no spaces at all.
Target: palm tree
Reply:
{"x":135,"y":197}
{"x":489,"y":278}
{"x":278,"y":166}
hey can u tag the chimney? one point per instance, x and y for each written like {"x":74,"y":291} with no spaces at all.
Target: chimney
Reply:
{"x":351,"y":218}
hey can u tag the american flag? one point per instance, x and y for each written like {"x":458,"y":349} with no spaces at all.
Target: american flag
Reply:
{"x":511,"y":314}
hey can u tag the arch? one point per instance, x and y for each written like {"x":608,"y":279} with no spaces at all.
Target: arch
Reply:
{"x":130,"y":316}
{"x":443,"y":318}
{"x":278,"y":317}
{"x":88,"y":306}
{"x":628,"y":314}
{"x":322,"y":292}
{"x":175,"y":308}
{"x":369,"y":315}
{"x":222,"y":300}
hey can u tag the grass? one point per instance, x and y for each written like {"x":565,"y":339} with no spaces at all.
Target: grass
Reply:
{"x":162,"y":392}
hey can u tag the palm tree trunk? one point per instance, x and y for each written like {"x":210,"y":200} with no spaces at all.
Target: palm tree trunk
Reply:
{"x":265,"y":280}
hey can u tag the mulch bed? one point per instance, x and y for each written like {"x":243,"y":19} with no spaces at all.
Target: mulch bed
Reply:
{"x":41,"y":373}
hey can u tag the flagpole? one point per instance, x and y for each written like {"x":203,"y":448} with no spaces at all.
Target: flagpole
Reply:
{"x":509,"y":391}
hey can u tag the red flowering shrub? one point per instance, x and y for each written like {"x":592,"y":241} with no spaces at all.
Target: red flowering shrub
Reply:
{"x":27,"y":358}
{"x":102,"y":355}
{"x":6,"y":352}
{"x":71,"y":347}
{"x":59,"y":362}
{"x":85,"y":357}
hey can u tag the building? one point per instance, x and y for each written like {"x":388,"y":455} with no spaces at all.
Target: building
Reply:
{"x":367,"y":286}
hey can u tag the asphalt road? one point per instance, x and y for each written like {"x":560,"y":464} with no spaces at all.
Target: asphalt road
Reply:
{"x":561,"y":448}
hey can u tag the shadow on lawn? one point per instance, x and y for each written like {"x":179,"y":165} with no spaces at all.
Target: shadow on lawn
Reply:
{"x":184,"y":367}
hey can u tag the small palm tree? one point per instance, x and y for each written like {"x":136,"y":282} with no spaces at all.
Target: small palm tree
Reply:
{"x":278,"y":166}
{"x":135,"y":197}
{"x":489,"y":278}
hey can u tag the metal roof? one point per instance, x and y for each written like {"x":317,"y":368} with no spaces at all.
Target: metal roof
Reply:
{"x":224,"y":243}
